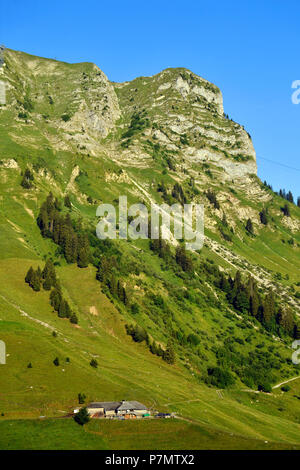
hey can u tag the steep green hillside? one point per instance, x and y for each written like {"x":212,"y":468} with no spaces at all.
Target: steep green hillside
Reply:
{"x":227,"y":313}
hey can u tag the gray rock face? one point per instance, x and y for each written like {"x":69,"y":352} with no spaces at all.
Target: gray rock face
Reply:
{"x":184,"y":113}
{"x":188,"y":116}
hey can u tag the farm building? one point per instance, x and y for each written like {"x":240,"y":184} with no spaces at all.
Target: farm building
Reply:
{"x":128,"y":409}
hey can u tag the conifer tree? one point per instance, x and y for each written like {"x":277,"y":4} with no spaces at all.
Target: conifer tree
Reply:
{"x":183,"y":259}
{"x":39,"y":273}
{"x":263,"y":217}
{"x":55,"y":299}
{"x":290,"y":197}
{"x":113,"y":286}
{"x":67,"y":202}
{"x":153,"y":348}
{"x":82,"y":417}
{"x":169,"y":354}
{"x":35,"y":282}
{"x":49,"y":271}
{"x":83,"y":251}
{"x":56,"y":362}
{"x":224,"y":220}
{"x":47,"y":283}
{"x":285,"y":319}
{"x":286,"y":210}
{"x":68,"y":312}
{"x":268,"y":308}
{"x":253,"y":296}
{"x":74,"y":318}
{"x":249,"y":227}
{"x":62,"y":310}
{"x":296,"y":333}
{"x":29,"y":275}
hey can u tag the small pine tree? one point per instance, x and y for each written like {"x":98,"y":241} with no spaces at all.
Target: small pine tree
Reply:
{"x":81,"y":398}
{"x":29,"y":275}
{"x":83,"y":258}
{"x":82,"y":417}
{"x":94,"y":363}
{"x":249,"y":227}
{"x":56,"y":362}
{"x":67,"y":202}
{"x":296,"y":332}
{"x":286,"y":210}
{"x":47,"y":283}
{"x":169,"y":354}
{"x":83,"y":252}
{"x":55,"y":299}
{"x":74,"y":318}
{"x":268,"y":308}
{"x":263,"y":217}
{"x":48,"y":273}
{"x":27,"y":179}
{"x":63,"y":309}
{"x":224,"y":220}
{"x":290,"y":197}
{"x":29,"y":366}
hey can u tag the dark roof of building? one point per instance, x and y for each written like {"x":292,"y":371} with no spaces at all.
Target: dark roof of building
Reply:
{"x":118,"y":405}
{"x":131,"y":405}
{"x":107,"y":405}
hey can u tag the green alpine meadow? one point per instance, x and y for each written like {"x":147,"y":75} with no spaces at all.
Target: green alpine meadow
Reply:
{"x":140,"y":343}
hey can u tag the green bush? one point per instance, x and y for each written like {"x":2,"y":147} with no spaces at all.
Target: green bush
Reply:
{"x":264,"y":387}
{"x":220,"y":377}
{"x":82,"y":417}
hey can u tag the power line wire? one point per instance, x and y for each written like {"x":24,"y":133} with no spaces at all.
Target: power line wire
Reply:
{"x":280,"y":164}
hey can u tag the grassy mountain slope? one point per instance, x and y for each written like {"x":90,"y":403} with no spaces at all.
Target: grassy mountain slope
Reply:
{"x":82,"y":136}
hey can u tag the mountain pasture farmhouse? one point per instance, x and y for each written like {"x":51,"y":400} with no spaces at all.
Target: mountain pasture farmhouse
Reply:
{"x":112,"y":409}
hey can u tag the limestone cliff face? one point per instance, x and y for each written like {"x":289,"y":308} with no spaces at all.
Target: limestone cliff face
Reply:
{"x":73,"y":97}
{"x":188,"y":119}
{"x":75,"y":106}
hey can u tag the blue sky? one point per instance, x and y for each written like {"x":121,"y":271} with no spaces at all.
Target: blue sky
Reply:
{"x":250,"y":49}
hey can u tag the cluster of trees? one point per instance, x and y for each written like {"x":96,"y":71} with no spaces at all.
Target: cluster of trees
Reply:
{"x":117,"y":289}
{"x":178,"y":193}
{"x":255,"y":368}
{"x":48,"y":280}
{"x":183,"y":259}
{"x":61,"y":306}
{"x":106,"y":274}
{"x":288,"y":195}
{"x":45,"y":278}
{"x":161,"y":248}
{"x":59,"y":227}
{"x":27,"y":180}
{"x":219,"y":377}
{"x":139,"y":335}
{"x":246,"y":299}
{"x":139,"y":121}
